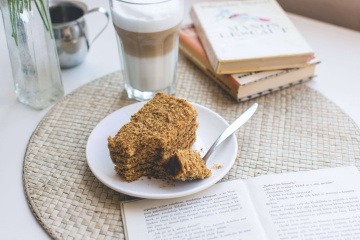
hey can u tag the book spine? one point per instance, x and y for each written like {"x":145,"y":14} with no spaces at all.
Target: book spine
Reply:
{"x":221,"y":80}
{"x":205,"y":41}
{"x":262,"y":93}
{"x":192,"y":48}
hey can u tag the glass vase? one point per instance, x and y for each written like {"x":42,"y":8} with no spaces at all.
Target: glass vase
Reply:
{"x":34,"y":61}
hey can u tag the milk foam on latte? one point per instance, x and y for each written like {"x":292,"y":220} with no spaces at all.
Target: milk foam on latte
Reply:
{"x":148,"y":17}
{"x":149,"y":41}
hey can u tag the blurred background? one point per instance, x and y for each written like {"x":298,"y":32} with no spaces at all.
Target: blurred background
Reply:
{"x":345,"y":13}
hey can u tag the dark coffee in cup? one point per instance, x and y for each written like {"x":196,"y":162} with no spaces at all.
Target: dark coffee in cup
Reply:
{"x":66,"y":12}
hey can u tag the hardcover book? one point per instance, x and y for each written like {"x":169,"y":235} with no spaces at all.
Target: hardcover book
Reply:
{"x":318,"y":204}
{"x":242,"y":86}
{"x":249,"y":35}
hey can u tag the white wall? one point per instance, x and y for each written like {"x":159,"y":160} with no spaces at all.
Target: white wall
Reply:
{"x":344,"y":13}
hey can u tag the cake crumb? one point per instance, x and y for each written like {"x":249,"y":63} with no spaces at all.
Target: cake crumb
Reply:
{"x":185,"y":165}
{"x":217,"y":166}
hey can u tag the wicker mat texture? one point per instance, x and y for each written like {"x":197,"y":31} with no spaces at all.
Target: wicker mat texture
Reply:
{"x":294,"y":129}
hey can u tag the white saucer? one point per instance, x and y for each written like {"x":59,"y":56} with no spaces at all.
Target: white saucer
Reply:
{"x":211,"y":126}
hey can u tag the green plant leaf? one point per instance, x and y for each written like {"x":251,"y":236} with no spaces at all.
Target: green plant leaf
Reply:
{"x":17,"y":7}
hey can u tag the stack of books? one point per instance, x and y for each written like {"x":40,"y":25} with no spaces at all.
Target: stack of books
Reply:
{"x":249,"y":47}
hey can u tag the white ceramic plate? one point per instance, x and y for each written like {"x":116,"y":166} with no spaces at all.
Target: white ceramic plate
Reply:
{"x":211,"y":126}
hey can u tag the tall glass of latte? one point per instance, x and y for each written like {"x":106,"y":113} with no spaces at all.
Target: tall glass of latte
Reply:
{"x":148,"y":43}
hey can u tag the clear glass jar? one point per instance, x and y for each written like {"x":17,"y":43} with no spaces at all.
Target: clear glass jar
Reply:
{"x":148,"y":38}
{"x":34,"y":61}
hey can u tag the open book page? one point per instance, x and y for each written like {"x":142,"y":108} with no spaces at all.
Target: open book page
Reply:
{"x":220,"y":212}
{"x":321,"y":204}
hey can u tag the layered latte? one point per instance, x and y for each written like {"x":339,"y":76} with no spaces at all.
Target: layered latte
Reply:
{"x":148,"y":37}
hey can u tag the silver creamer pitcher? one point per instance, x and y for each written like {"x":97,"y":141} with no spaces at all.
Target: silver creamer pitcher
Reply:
{"x":70,"y":30}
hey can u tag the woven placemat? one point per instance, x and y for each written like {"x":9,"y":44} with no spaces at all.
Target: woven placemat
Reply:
{"x":294,"y":129}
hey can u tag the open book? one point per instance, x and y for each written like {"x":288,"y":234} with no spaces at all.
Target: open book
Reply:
{"x":318,"y":204}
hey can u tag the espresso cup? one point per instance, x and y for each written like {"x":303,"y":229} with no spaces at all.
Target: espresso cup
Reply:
{"x":70,"y":30}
